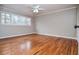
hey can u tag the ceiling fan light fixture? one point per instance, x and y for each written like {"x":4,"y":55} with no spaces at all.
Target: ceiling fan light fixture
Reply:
{"x":35,"y":10}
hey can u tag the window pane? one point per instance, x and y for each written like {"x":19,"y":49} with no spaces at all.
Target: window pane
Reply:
{"x":2,"y":17}
{"x":28,"y":21}
{"x":13,"y":19}
{"x":21,"y":20}
{"x":7,"y":15}
{"x":7,"y":20}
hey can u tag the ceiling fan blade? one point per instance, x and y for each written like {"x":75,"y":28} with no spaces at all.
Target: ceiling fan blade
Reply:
{"x":41,"y":9}
{"x":37,"y":8}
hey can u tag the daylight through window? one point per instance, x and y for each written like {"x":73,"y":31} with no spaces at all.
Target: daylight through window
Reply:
{"x":13,"y":19}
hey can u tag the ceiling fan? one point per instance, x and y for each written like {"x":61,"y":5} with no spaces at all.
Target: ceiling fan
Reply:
{"x":36,"y":9}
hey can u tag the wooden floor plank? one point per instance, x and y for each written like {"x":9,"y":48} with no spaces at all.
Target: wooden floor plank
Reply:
{"x":38,"y":45}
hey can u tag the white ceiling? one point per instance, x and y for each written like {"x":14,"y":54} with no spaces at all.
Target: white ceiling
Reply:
{"x":26,"y":9}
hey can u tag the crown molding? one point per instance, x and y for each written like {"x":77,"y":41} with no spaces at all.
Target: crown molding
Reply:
{"x":60,"y":10}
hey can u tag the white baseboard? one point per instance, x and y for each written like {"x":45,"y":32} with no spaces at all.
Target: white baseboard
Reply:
{"x":58,"y":36}
{"x":40,"y":34}
{"x":15,"y":35}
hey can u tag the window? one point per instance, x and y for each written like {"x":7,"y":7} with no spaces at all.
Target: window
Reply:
{"x":7,"y":18}
{"x":13,"y":19}
{"x":2,"y":17}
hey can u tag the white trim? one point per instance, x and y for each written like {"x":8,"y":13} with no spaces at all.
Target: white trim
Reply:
{"x":58,"y":36}
{"x":60,"y":10}
{"x":40,"y":34}
{"x":15,"y":35}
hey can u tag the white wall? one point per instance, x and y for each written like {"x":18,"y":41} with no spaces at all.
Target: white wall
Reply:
{"x":59,"y":23}
{"x":13,"y":30}
{"x":78,"y":23}
{"x":78,"y":15}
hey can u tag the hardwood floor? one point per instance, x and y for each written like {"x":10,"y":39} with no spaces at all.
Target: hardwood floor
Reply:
{"x":38,"y":45}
